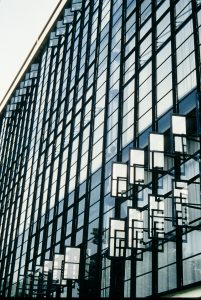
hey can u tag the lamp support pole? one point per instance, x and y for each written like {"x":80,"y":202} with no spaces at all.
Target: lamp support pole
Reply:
{"x":134,"y":251}
{"x":117,"y":267}
{"x":179,"y":230}
{"x":154,"y":241}
{"x":69,"y":288}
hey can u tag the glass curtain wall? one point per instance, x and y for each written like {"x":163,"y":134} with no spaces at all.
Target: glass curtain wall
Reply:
{"x":109,"y":73}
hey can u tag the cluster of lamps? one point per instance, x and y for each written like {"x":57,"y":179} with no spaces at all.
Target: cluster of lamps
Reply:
{"x":129,"y":233}
{"x":62,"y":268}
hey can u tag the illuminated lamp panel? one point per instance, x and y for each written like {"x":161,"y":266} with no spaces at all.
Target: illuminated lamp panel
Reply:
{"x":135,"y":228}
{"x":156,"y":148}
{"x":136,"y":166}
{"x":119,"y":180}
{"x":156,"y":217}
{"x":117,"y":238}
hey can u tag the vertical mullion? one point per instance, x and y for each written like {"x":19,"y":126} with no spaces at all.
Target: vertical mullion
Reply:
{"x":179,"y":265}
{"x":64,"y":129}
{"x":137,"y":65}
{"x":154,"y":81}
{"x":174,"y":59}
{"x":118,"y":265}
{"x":76,"y":195}
{"x":101,"y":210}
{"x":89,"y":173}
{"x":154,"y":128}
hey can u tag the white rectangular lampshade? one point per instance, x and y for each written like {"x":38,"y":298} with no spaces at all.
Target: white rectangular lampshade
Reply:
{"x":119,"y":170}
{"x":71,"y":271}
{"x":58,"y":258}
{"x":178,"y":125}
{"x":155,"y":203}
{"x":156,"y":142}
{"x":136,"y":157}
{"x":156,"y":160}
{"x":156,"y":148}
{"x":116,"y":225}
{"x":180,"y":144}
{"x":48,"y":265}
{"x":136,"y":169}
{"x":135,"y":228}
{"x":72,"y":261}
{"x":180,"y":199}
{"x":72,"y":255}
{"x":56,"y":275}
{"x":68,"y":16}
{"x":117,"y":238}
{"x":119,"y":180}
{"x":156,"y":216}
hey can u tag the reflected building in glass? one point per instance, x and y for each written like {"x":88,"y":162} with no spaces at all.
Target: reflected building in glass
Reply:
{"x":100,"y":155}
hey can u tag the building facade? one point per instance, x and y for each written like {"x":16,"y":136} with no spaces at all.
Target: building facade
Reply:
{"x":100,"y":155}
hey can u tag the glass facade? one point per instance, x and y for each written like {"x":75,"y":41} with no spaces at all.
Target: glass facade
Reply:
{"x":107,"y":79}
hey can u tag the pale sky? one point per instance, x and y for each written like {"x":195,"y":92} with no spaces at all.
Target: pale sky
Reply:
{"x":21,"y":22}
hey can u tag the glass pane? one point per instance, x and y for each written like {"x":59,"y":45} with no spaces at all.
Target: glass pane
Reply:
{"x":76,"y":5}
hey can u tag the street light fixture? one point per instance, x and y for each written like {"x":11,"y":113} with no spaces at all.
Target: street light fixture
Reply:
{"x":156,"y":217}
{"x":117,"y":238}
{"x":179,"y":133}
{"x":119,"y":180}
{"x":135,"y":229}
{"x":57,"y":274}
{"x":156,"y":151}
{"x":180,"y":211}
{"x":136,"y":166}
{"x":71,"y":263}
